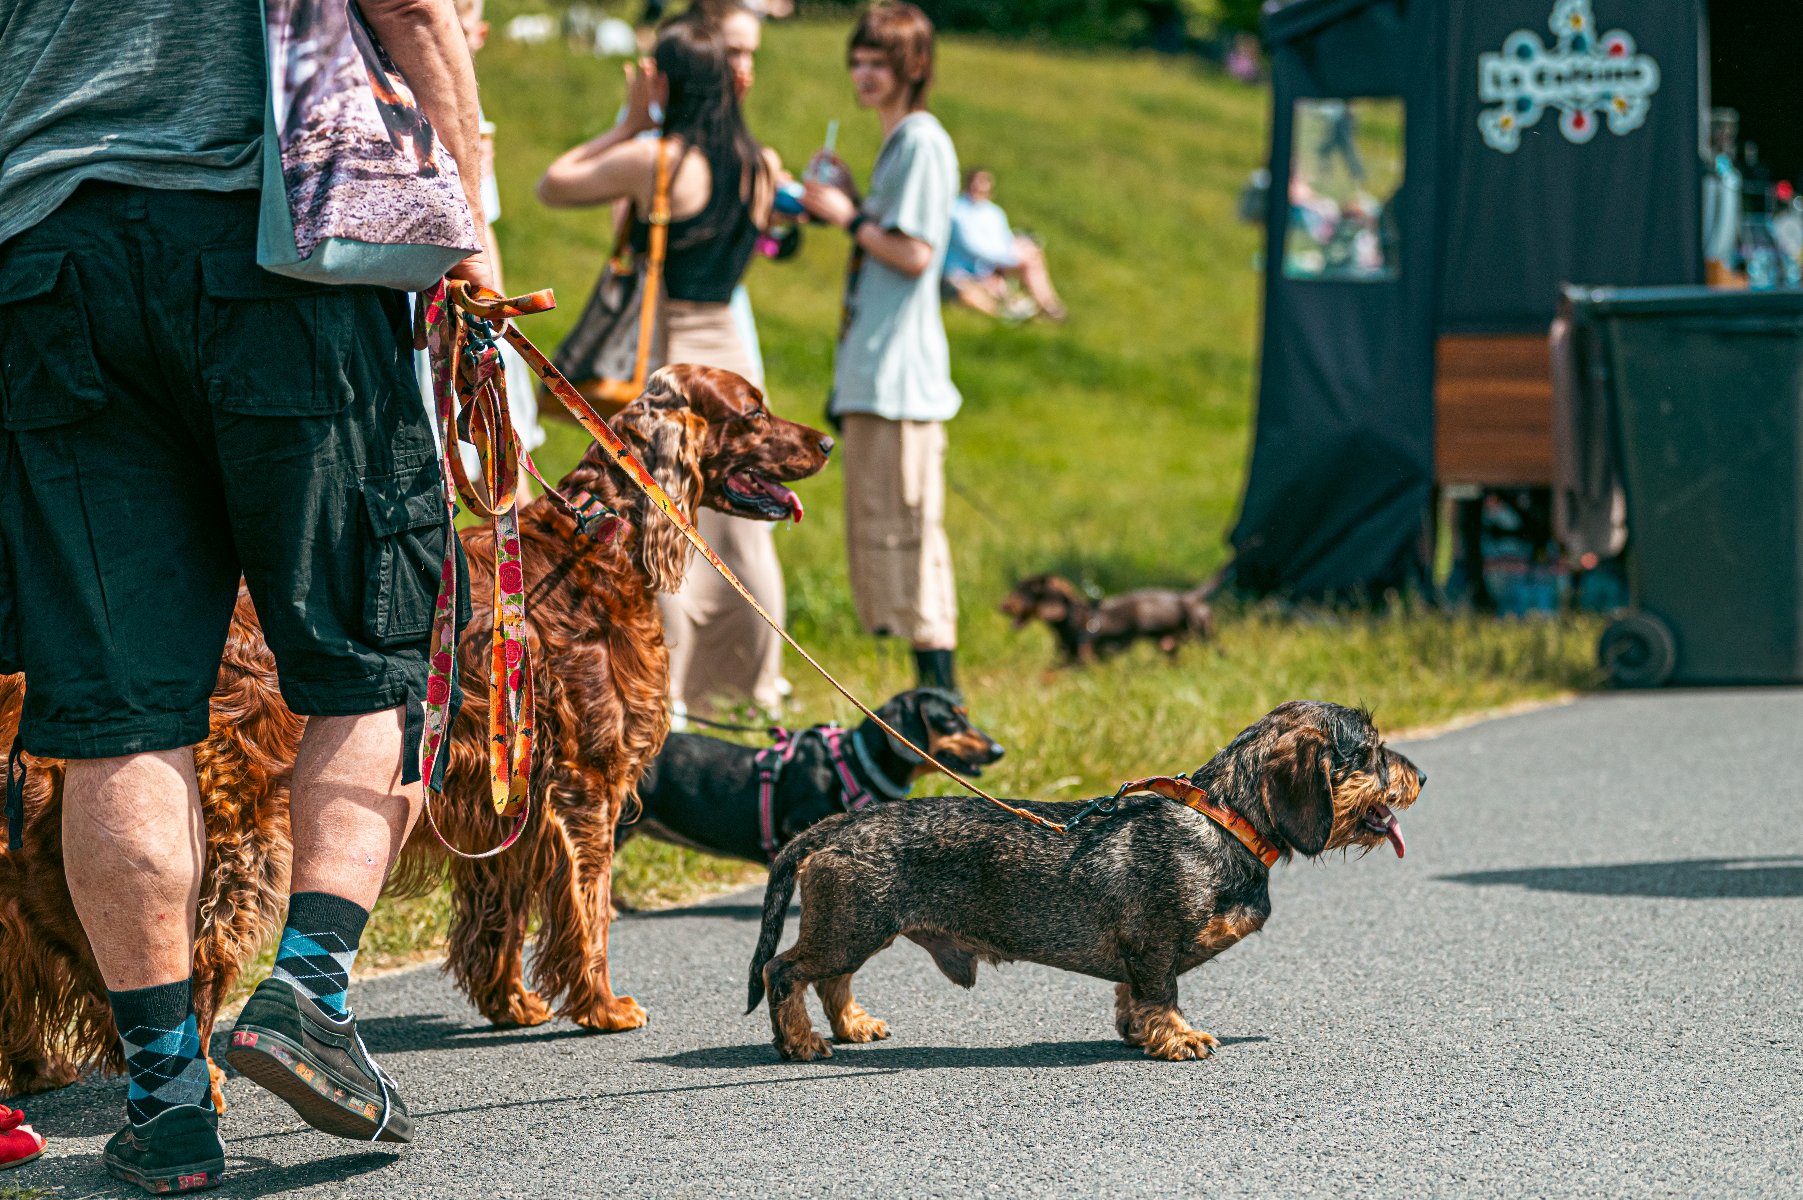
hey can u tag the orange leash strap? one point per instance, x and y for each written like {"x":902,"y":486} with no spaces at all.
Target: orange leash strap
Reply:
{"x":634,"y":470}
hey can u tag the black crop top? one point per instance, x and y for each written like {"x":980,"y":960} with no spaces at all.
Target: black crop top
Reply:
{"x":698,"y":267}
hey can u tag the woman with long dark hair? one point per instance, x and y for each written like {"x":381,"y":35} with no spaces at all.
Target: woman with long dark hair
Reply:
{"x":722,"y":187}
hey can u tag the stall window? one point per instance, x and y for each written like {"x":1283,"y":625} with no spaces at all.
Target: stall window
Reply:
{"x":1345,"y":171}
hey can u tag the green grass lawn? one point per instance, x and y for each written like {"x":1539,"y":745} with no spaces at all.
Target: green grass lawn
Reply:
{"x":1112,"y":448}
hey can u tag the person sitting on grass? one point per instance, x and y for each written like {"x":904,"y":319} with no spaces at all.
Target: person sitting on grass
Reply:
{"x":986,"y":256}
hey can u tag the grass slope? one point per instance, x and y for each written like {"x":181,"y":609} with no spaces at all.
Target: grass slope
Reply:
{"x":1112,"y":448}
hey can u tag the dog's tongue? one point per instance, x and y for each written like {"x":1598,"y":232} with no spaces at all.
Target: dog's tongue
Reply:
{"x":785,"y":496}
{"x":1393,"y":831}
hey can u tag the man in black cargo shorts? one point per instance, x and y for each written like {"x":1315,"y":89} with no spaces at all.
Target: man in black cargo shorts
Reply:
{"x":172,"y":417}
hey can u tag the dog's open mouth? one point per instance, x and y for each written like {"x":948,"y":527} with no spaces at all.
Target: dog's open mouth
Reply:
{"x":762,"y":498}
{"x":1382,"y":821}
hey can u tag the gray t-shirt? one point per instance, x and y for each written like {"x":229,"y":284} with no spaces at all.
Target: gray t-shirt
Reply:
{"x":892,"y":359}
{"x":158,"y":93}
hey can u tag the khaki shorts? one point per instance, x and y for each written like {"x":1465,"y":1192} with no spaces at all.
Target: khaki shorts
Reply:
{"x":901,"y":562}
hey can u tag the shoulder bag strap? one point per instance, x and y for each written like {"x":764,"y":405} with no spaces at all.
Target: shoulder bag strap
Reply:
{"x":654,"y":264}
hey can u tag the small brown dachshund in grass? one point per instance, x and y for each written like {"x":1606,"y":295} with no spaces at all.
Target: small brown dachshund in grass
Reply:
{"x":1138,"y":897}
{"x":1087,"y":630}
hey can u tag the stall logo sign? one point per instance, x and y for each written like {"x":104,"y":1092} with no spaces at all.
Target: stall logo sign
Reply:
{"x":1587,"y":78}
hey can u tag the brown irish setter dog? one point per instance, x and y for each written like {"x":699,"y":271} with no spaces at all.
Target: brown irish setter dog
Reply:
{"x":601,"y":675}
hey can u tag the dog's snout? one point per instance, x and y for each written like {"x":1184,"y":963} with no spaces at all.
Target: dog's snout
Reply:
{"x":995,"y":748}
{"x":1420,"y":778}
{"x":826,"y":444}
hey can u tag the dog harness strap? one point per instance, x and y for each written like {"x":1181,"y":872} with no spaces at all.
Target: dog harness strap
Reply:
{"x":770,"y":762}
{"x":593,"y":516}
{"x":856,"y":795}
{"x":633,"y":469}
{"x":1187,"y":793}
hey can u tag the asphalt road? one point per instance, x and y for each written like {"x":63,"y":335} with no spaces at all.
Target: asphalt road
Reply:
{"x":1585,"y":979}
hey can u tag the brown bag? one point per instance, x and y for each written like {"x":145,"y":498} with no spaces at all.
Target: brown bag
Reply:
{"x":607,"y":356}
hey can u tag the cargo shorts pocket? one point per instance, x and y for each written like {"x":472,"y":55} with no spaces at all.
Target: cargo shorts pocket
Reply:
{"x":404,"y":554}
{"x":48,"y":375}
{"x":272,"y":346}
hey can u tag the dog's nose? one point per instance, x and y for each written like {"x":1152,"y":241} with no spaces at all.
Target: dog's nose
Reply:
{"x":995,"y":748}
{"x":826,"y":444}
{"x":1420,"y":778}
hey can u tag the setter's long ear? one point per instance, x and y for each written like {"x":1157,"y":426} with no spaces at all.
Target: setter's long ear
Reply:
{"x":717,"y":394}
{"x":1298,"y":792}
{"x":668,"y":440}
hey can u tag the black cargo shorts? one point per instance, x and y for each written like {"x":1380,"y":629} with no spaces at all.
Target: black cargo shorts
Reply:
{"x":172,"y":417}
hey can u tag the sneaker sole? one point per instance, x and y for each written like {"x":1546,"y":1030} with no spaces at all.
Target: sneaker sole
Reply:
{"x":196,"y":1178}
{"x":19,"y":1162}
{"x":271,"y":1061}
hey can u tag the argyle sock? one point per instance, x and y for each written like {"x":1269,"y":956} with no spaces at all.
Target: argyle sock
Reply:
{"x":162,"y":1050}
{"x":319,"y":943}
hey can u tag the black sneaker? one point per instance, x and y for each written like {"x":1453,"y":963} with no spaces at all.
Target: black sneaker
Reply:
{"x":178,"y":1150}
{"x":318,"y":1064}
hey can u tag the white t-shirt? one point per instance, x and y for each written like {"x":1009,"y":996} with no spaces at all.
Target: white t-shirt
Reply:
{"x":893,"y":360}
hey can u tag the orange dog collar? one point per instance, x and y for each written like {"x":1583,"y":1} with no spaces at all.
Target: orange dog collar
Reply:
{"x":1187,"y":793}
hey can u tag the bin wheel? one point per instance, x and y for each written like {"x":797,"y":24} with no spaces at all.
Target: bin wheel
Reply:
{"x":1637,"y":651}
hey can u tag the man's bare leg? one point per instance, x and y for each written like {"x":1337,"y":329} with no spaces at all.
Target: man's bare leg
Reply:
{"x":350,"y":815}
{"x":133,"y":846}
{"x":349,"y":811}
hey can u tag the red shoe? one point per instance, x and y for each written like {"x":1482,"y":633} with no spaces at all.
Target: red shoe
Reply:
{"x":19,"y":1142}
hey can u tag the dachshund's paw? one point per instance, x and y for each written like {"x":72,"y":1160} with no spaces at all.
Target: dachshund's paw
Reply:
{"x":861,"y":1027}
{"x":522,"y":1010}
{"x":217,"y":1076}
{"x":1180,"y":1045}
{"x":805,"y":1048}
{"x":613,"y":1016}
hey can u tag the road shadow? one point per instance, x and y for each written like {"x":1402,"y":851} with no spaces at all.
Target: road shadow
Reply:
{"x":90,"y":1107}
{"x":245,"y":1175}
{"x":889,"y":1056}
{"x":1779,"y":878}
{"x":730,"y":912}
{"x":398,"y":1034}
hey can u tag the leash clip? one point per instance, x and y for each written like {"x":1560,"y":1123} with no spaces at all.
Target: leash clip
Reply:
{"x":1101,"y":806}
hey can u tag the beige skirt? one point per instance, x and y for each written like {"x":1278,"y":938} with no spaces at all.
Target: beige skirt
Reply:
{"x":721,"y":652}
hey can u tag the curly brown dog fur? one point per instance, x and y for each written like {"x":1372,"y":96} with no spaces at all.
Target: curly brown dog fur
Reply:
{"x":1138,"y":898}
{"x":601,"y":681}
{"x":1087,"y":630}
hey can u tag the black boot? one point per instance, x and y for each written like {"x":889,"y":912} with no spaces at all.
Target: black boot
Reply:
{"x":933,"y":668}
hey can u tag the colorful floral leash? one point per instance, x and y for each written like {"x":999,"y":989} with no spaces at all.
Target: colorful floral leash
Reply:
{"x":461,"y":333}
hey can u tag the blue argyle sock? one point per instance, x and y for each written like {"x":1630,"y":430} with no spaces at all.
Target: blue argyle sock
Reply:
{"x":319,"y":944}
{"x":162,"y":1050}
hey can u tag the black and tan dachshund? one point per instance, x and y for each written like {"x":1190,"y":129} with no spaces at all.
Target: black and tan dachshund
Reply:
{"x":746,"y":802}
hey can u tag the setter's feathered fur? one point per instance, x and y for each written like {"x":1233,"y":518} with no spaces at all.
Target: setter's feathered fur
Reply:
{"x":601,"y":679}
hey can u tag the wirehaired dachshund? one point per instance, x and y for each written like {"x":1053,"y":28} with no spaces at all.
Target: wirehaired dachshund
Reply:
{"x":1087,"y":630}
{"x":1137,"y":897}
{"x":708,"y":794}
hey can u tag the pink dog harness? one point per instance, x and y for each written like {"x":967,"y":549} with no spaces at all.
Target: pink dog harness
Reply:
{"x":771,"y":760}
